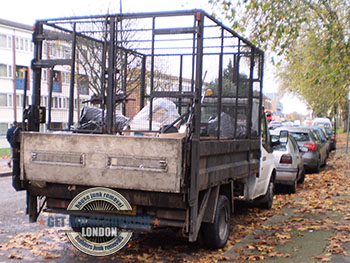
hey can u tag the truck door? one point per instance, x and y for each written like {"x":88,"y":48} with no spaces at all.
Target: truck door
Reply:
{"x":266,"y":160}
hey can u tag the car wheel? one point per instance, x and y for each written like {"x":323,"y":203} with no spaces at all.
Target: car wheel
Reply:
{"x":318,"y":166}
{"x":302,"y":177}
{"x":215,"y":235}
{"x":267,"y":199}
{"x":325,"y":161}
{"x":293,"y":188}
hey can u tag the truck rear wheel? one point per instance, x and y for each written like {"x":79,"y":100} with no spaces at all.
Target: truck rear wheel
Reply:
{"x":267,"y":199}
{"x":215,"y":235}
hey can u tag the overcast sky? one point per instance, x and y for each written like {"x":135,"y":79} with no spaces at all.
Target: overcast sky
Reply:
{"x":27,"y":11}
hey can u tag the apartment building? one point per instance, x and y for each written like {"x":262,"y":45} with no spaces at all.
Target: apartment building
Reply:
{"x":16,"y":54}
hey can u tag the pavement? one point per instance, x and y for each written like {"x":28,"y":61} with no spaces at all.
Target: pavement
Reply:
{"x":292,"y":235}
{"x":5,"y":170}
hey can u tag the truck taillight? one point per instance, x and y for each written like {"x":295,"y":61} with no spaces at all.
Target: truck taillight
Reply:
{"x":286,"y":158}
{"x":310,"y":146}
{"x":57,"y":203}
{"x":333,"y":137}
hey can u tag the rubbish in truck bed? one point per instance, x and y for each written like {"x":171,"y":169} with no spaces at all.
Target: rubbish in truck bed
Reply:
{"x":163,"y":112}
{"x":91,"y":119}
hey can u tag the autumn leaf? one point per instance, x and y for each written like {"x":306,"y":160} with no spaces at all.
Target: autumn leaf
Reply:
{"x":283,"y":235}
{"x":255,"y":257}
{"x":323,"y":258}
{"x":15,"y":256}
{"x":50,"y":255}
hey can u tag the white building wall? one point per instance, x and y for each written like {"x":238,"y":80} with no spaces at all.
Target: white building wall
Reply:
{"x":23,"y":55}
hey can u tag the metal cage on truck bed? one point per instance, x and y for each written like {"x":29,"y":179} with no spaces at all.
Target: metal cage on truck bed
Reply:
{"x":201,"y":80}
{"x":135,"y":59}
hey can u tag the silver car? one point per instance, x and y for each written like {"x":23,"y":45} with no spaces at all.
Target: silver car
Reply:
{"x":314,"y":151}
{"x":321,"y":136}
{"x":288,"y":161}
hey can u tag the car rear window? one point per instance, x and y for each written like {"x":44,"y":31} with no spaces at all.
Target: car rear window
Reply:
{"x":301,"y":136}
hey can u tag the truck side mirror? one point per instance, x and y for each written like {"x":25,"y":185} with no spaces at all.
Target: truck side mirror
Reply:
{"x":283,"y":137}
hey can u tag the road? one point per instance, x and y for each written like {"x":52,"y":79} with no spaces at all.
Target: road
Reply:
{"x":312,"y":225}
{"x":39,"y":242}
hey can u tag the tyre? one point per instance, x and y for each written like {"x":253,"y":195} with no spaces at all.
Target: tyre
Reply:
{"x":302,"y":177}
{"x":267,"y":199}
{"x":318,"y":167}
{"x":215,"y":235}
{"x":325,"y":161}
{"x":293,"y":188}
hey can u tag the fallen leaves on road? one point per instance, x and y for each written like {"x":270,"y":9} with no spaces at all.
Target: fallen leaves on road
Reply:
{"x":320,"y":204}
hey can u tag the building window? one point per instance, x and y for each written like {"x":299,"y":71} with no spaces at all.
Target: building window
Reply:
{"x":54,"y":102}
{"x":3,"y":129}
{"x":3,"y":41}
{"x":26,"y":45}
{"x":9,"y":71}
{"x":9,"y":42}
{"x":66,"y":77}
{"x":3,"y":70}
{"x":10,"y":100}
{"x":57,"y":87}
{"x":44,"y":75}
{"x":67,"y":53}
{"x":83,"y":85}
{"x":19,"y":100}
{"x":20,"y":77}
{"x":3,"y":100}
{"x":45,"y":48}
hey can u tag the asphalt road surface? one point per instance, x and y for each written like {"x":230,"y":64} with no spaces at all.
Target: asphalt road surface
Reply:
{"x":21,"y":241}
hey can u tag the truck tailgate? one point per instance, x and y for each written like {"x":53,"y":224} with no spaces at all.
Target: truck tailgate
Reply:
{"x":139,"y":163}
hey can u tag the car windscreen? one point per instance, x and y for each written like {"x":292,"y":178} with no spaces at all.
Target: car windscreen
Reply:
{"x":322,"y":124}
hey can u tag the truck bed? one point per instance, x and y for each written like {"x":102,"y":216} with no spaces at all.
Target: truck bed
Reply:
{"x":124,"y":162}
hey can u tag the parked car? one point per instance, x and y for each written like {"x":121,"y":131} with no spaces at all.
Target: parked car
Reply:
{"x":274,"y":124}
{"x":307,"y":122}
{"x":322,"y":136}
{"x":288,"y":161}
{"x":322,"y":121}
{"x":326,"y":124}
{"x":316,"y":154}
{"x":331,"y":138}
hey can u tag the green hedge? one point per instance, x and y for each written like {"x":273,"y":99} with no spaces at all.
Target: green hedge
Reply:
{"x":5,"y":151}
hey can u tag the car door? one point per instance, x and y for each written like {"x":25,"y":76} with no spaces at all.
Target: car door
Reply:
{"x":296,"y":154}
{"x":321,"y":146}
